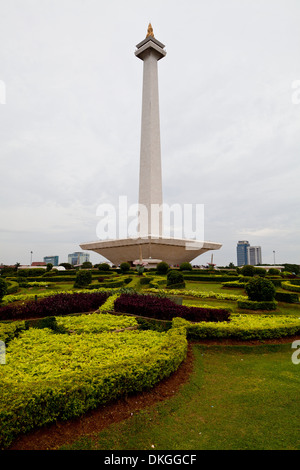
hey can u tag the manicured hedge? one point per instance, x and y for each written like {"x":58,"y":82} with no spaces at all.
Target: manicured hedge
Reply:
{"x":289,"y":286}
{"x":212,"y":278}
{"x":244,"y":327}
{"x":165,"y":309}
{"x":59,"y":304}
{"x":287,"y":297}
{"x":255,"y":305}
{"x":63,"y":376}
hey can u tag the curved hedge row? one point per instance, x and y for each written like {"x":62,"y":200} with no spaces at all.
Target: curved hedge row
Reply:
{"x":289,"y":286}
{"x":165,"y":309}
{"x":58,"y":304}
{"x":243,"y":327}
{"x":51,"y":376}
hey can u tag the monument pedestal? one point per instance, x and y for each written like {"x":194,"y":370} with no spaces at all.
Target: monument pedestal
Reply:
{"x":171,"y":250}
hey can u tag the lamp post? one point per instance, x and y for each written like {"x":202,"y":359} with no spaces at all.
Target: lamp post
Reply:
{"x":274,"y":256}
{"x":31,"y":258}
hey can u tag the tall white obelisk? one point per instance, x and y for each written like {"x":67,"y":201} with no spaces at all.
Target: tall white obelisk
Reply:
{"x":150,"y":245}
{"x":150,"y":51}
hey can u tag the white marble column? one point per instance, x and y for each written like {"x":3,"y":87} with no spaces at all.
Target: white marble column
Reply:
{"x":150,"y":185}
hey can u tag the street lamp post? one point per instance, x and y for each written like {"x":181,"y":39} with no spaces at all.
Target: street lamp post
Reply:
{"x":274,"y":256}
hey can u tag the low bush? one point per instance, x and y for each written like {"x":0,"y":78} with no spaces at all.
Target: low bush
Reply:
{"x":95,"y":323}
{"x":165,"y":309}
{"x":248,"y":270}
{"x":196,"y":294}
{"x":59,"y":304}
{"x":273,"y":272}
{"x":287,"y":297}
{"x":209,"y":278}
{"x":244,"y":327}
{"x":162,"y":268}
{"x":175,"y":278}
{"x":235,"y":284}
{"x":185,"y":267}
{"x":260,"y":272}
{"x":83,"y":279}
{"x":287,"y":285}
{"x":3,"y":288}
{"x":260,"y":289}
{"x":124,"y":267}
{"x":256,"y":305}
{"x":65,"y":375}
{"x":108,"y":305}
{"x":103,"y":267}
{"x":12,"y":287}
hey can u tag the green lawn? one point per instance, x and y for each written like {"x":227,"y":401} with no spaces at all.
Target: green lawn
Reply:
{"x":238,"y":398}
{"x":213,"y":286}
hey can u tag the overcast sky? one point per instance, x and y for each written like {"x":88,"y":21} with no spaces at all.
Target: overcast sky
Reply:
{"x":71,"y":115}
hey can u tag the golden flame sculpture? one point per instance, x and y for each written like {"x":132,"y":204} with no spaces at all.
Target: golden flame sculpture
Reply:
{"x":150,"y":31}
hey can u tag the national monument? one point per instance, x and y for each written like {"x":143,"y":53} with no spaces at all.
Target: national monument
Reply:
{"x":150,"y":246}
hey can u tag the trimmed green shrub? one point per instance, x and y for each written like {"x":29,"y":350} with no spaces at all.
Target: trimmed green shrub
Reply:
{"x":260,"y":272}
{"x":287,"y":297}
{"x":257,"y":305}
{"x":145,"y":280}
{"x":260,"y":289}
{"x":83,"y":279}
{"x":12,"y":287}
{"x":274,"y":272}
{"x":288,"y":286}
{"x":162,"y":268}
{"x":103,"y":267}
{"x":124,"y":267}
{"x":243,"y":327}
{"x":248,"y":270}
{"x":186,"y":267}
{"x":175,"y":280}
{"x":208,"y":277}
{"x":3,"y":288}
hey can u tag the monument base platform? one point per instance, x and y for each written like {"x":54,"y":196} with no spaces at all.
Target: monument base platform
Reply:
{"x":171,"y":250}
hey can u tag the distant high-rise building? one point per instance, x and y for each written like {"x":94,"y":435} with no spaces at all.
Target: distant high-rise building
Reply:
{"x":254,"y":255}
{"x":247,"y":254}
{"x":78,"y":257}
{"x":242,"y":252}
{"x":51,"y":259}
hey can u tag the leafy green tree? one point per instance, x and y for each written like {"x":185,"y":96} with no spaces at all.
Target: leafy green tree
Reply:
{"x":67,"y":265}
{"x":49,"y":267}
